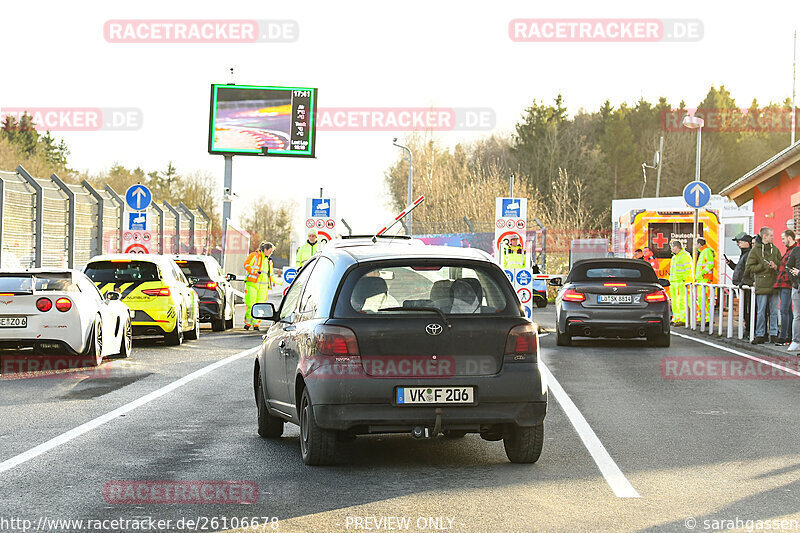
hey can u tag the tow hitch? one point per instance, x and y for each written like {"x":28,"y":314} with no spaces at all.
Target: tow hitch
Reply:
{"x":424,"y":432}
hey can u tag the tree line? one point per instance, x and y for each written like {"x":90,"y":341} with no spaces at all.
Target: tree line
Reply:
{"x":42,"y":155}
{"x":570,"y":167}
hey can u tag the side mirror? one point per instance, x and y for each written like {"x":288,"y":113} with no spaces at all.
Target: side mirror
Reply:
{"x":663,"y":282}
{"x":112,"y":295}
{"x":230,"y":277}
{"x":555,"y":282}
{"x":263,"y":311}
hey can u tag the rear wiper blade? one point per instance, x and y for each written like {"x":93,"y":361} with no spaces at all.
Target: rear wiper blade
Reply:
{"x":429,"y":309}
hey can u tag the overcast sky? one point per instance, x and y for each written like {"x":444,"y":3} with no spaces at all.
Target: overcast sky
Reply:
{"x":359,"y":54}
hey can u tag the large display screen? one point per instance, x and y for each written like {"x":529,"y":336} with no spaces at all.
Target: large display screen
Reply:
{"x":246,"y":118}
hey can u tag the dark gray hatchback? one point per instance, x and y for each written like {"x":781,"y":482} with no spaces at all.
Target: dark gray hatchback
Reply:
{"x":400,"y":338}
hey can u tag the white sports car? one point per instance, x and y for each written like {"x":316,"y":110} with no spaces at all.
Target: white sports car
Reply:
{"x":61,"y":312}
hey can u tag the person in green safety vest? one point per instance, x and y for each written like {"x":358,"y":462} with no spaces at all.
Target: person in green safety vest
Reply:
{"x":681,"y":272}
{"x":514,"y":256}
{"x":705,"y":271}
{"x":308,"y":249}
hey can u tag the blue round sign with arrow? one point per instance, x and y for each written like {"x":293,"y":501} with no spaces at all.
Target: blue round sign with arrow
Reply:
{"x":138,"y":197}
{"x":697,"y":194}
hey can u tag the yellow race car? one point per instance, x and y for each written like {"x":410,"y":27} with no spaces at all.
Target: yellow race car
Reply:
{"x":155,"y":289}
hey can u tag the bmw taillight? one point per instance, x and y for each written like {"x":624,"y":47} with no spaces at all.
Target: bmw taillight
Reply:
{"x":63,"y":304}
{"x":336,"y":341}
{"x":211,"y":285}
{"x":162,"y":291}
{"x":522,"y":344}
{"x":571,"y":295}
{"x":658,"y":296}
{"x":44,"y":304}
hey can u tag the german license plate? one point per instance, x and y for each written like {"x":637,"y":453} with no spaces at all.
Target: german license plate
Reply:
{"x":434,"y":395}
{"x":614,"y":299}
{"x":13,"y":321}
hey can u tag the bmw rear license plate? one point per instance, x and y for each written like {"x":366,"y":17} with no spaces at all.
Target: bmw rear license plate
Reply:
{"x":13,"y":321}
{"x":434,"y":395}
{"x":614,"y":299}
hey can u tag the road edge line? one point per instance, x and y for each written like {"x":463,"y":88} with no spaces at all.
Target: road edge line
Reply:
{"x":737,"y":352}
{"x":611,"y":472}
{"x":75,"y":432}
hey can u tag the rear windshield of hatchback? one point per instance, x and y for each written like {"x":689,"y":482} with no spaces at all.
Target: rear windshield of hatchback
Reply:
{"x":195,"y":269}
{"x":452,"y":289}
{"x":122,"y":271}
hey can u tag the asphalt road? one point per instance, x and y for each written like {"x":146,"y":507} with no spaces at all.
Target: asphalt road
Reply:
{"x":702,"y":450}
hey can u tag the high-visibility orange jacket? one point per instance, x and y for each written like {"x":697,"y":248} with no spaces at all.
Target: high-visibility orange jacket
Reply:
{"x":252,"y":265}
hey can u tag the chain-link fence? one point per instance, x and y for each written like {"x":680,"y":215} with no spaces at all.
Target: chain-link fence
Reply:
{"x":45,"y":222}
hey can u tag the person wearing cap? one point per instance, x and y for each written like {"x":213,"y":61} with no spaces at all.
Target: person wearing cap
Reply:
{"x":257,"y":262}
{"x":514,"y":256}
{"x":308,"y":249}
{"x":744,"y":241}
{"x":680,"y":273}
{"x":705,"y":271}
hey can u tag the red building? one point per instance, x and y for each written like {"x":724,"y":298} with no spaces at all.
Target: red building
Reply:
{"x":774,"y":188}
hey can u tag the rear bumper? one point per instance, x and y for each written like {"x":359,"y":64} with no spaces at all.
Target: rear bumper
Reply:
{"x":144,"y":324}
{"x":576,"y":320}
{"x":210,"y":309}
{"x":9,"y":348}
{"x":515,"y":395}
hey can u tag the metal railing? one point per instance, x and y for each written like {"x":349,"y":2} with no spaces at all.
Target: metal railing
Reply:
{"x":45,"y":222}
{"x":702,"y":314}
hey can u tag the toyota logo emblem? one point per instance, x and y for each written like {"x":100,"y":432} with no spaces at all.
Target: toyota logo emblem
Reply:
{"x":433,"y":329}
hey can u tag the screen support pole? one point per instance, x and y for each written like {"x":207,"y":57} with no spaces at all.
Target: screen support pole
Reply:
{"x":227,"y":195}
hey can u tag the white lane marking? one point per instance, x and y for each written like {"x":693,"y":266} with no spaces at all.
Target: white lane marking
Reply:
{"x":740,"y":354}
{"x":614,"y":477}
{"x":100,"y":420}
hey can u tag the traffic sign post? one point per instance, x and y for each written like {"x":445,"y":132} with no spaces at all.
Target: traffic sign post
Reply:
{"x":138,"y":197}
{"x":510,"y":221}
{"x":697,"y":195}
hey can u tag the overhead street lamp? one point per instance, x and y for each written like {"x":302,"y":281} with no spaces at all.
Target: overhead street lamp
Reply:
{"x":695,"y":123}
{"x":410,"y":198}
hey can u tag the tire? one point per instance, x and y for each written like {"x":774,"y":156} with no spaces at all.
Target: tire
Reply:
{"x":541,"y":302}
{"x":229,"y":323}
{"x":126,"y":344}
{"x":194,"y":333}
{"x":660,"y":340}
{"x":95,"y":348}
{"x":175,"y":337}
{"x":562,"y":339}
{"x":219,"y":324}
{"x":454,"y":433}
{"x":269,"y":427}
{"x":317,"y":445}
{"x":523,"y":444}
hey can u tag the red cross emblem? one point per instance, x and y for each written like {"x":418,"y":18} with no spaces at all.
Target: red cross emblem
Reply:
{"x":660,"y":240}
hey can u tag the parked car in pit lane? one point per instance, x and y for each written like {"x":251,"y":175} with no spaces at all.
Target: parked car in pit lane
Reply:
{"x":400,"y":338}
{"x":214,"y":289}
{"x":60,"y":311}
{"x":155,"y":288}
{"x":612,"y":297}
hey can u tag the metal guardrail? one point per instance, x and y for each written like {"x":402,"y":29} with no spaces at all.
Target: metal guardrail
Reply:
{"x":710,"y":294}
{"x":47,"y":222}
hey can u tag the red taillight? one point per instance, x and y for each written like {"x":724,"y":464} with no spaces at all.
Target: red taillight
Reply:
{"x":211,"y":285}
{"x":44,"y":304}
{"x":571,"y":295}
{"x":63,"y":304}
{"x":336,"y":340}
{"x":163,"y":291}
{"x":658,"y":296}
{"x":522,"y":344}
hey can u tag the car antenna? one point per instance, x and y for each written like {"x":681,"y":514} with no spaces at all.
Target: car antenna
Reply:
{"x":398,"y":218}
